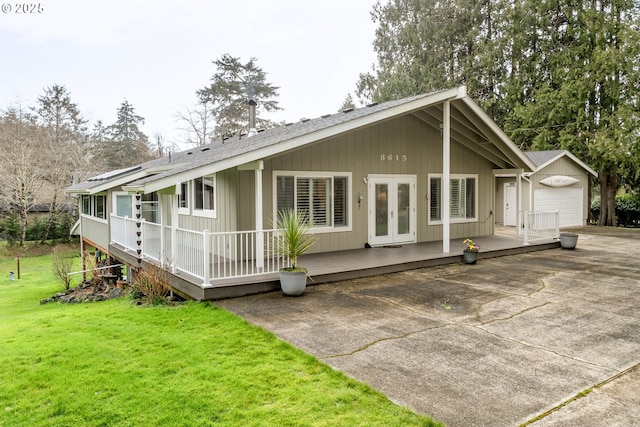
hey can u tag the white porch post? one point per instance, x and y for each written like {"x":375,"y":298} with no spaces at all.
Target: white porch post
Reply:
{"x":519,"y":196}
{"x":259,"y":214}
{"x":174,"y":228}
{"x":163,"y":220}
{"x":446,"y":176}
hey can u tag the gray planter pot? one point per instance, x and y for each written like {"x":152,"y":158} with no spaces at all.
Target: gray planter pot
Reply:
{"x":293,"y":283}
{"x":568,"y":240}
{"x":470,"y":257}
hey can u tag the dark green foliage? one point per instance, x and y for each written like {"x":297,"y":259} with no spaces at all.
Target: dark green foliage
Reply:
{"x":627,"y":209}
{"x":230,"y":88}
{"x":555,"y":74}
{"x":11,"y":229}
{"x":61,"y":223}
{"x":122,"y":144}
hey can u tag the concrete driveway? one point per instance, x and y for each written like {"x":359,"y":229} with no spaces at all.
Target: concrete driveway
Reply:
{"x":506,"y":342}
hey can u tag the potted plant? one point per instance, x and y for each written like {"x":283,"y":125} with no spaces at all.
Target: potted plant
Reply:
{"x":294,"y":240}
{"x":568,"y":240}
{"x":470,"y":254}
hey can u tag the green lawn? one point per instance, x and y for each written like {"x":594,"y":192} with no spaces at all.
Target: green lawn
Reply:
{"x":117,"y":364}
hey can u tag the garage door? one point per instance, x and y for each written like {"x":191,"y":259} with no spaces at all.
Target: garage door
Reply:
{"x":567,"y":200}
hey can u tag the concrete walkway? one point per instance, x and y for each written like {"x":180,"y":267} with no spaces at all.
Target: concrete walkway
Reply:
{"x":499,"y":343}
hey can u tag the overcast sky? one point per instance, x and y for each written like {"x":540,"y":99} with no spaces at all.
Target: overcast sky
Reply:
{"x":156,"y":54}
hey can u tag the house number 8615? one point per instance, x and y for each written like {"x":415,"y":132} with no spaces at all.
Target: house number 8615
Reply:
{"x":393,"y":157}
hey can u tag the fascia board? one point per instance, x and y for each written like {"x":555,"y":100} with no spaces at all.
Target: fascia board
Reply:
{"x":117,"y":182}
{"x":500,"y":134}
{"x":301,"y":141}
{"x":572,"y":157}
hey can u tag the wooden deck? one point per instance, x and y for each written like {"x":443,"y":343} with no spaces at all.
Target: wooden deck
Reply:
{"x":351,"y":264}
{"x":344,"y":265}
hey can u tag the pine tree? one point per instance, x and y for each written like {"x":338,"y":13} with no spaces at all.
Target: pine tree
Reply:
{"x":125,"y":144}
{"x":233,"y":84}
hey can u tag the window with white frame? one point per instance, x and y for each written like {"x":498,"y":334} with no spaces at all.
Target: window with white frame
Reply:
{"x":183,"y":198}
{"x":95,"y":206}
{"x":463,"y":190}
{"x":101,"y":207}
{"x":204,"y":195}
{"x":149,"y":207}
{"x":124,"y":205}
{"x":86,"y":205}
{"x":325,"y":196}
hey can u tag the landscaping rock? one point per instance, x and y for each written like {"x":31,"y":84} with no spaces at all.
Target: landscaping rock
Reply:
{"x":115,"y":293}
{"x":84,"y":292}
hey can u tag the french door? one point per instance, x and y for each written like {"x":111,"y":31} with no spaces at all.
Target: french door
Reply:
{"x":392,"y":211}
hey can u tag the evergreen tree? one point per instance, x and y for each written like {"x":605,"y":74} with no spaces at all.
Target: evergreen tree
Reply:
{"x":233,"y":84}
{"x":347,"y":103}
{"x":66,"y":135}
{"x":553,"y":73}
{"x":125,"y":144}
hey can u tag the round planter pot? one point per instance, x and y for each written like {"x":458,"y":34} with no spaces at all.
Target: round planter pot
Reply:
{"x":568,"y":240}
{"x":470,"y":257}
{"x":293,"y":283}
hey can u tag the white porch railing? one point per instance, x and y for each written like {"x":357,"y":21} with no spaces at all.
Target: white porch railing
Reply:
{"x":202,"y":254}
{"x":541,"y":226}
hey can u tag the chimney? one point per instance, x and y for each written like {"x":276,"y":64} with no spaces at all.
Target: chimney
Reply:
{"x":252,"y":117}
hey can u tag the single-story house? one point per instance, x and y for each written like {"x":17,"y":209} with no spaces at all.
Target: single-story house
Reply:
{"x":559,"y":182}
{"x":413,"y":170}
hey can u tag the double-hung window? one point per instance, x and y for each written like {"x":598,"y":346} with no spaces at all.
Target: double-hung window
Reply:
{"x":324,"y":196}
{"x":463,"y":190}
{"x":149,"y":207}
{"x":204,"y":196}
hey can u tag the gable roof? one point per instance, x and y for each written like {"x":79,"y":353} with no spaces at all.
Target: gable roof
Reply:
{"x":473,"y":128}
{"x":543,"y":159}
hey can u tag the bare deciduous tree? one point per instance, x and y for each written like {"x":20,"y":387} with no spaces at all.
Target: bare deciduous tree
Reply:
{"x":198,"y":123}
{"x":21,"y":161}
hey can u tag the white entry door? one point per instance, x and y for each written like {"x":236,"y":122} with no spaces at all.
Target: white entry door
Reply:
{"x":510,"y":205}
{"x":392,"y":211}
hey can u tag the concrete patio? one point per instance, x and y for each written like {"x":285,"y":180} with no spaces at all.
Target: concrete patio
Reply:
{"x":510,"y":341}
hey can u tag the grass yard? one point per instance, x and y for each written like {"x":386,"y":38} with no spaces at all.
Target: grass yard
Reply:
{"x":117,"y":364}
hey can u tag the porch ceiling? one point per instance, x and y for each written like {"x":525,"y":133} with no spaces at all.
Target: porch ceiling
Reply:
{"x":472,"y":132}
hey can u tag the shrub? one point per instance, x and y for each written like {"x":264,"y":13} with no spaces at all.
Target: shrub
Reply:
{"x":151,"y":285}
{"x":11,"y":229}
{"x":627,"y":209}
{"x":62,"y":266}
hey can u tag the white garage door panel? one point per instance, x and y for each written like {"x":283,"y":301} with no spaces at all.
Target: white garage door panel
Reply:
{"x":568,"y":201}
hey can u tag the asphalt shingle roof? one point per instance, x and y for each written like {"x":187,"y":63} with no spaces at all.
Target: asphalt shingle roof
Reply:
{"x":542,"y":157}
{"x":228,"y":148}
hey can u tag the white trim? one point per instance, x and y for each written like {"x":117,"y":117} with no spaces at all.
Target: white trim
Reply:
{"x":114,"y":202}
{"x":572,"y":157}
{"x":302,"y":140}
{"x":442,"y":205}
{"x":392,"y":236}
{"x":499,"y":133}
{"x":317,"y":174}
{"x":181,"y":210}
{"x":205,"y":213}
{"x":94,"y":218}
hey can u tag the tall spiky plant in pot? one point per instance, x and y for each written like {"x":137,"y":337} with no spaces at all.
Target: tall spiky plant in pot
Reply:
{"x":293,"y":241}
